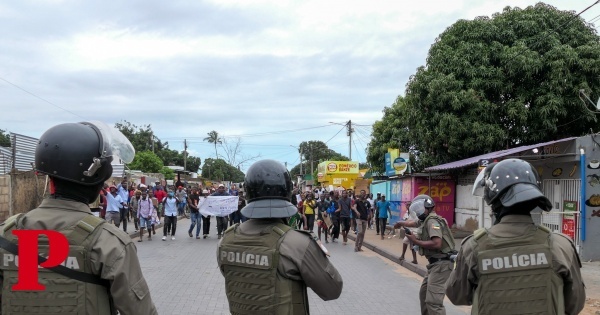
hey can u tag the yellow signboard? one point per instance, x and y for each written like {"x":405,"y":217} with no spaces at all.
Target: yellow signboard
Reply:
{"x":338,"y":167}
{"x":338,"y":173}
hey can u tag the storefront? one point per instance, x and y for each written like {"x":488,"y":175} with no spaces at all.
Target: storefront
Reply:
{"x":338,"y":174}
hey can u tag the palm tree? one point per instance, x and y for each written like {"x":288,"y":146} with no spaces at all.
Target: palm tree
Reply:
{"x":213,"y":137}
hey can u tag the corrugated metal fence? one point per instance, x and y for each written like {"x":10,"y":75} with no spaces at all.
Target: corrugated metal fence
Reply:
{"x":22,"y":149}
{"x":24,"y":152}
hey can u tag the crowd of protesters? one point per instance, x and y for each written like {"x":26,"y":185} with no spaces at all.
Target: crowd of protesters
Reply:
{"x":330,"y":213}
{"x":342,"y":211}
{"x":147,"y":206}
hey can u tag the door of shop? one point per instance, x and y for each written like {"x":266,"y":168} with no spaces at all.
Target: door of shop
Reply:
{"x":564,"y":216}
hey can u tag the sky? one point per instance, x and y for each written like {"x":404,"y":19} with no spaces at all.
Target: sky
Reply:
{"x":269,"y":74}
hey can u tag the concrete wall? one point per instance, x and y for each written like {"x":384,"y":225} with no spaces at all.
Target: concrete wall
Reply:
{"x":22,"y":190}
{"x":4,"y":197}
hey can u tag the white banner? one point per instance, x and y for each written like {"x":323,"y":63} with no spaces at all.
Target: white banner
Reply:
{"x":219,"y":206}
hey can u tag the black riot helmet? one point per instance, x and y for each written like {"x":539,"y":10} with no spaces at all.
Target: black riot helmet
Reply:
{"x":511,"y":182}
{"x":268,"y":190}
{"x":81,"y":153}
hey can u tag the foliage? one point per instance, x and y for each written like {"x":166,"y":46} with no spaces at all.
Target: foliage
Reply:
{"x":147,"y":162}
{"x":492,"y":83}
{"x":390,"y":132}
{"x":314,"y":152}
{"x":4,"y":138}
{"x":218,"y":169}
{"x":168,"y":173}
{"x":143,"y":139}
{"x":213,"y":137}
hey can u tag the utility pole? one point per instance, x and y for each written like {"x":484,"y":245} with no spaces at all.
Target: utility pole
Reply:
{"x":184,"y":154}
{"x":152,"y":139}
{"x":349,"y":133}
{"x":311,"y":159}
{"x":301,"y":173}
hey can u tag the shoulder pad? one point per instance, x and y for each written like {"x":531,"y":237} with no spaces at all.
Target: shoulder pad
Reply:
{"x":572,"y":246}
{"x":281,"y":229}
{"x":315,"y":239}
{"x":11,"y":222}
{"x":90,"y":223}
{"x":231,"y":228}
{"x":479,"y":233}
{"x":310,"y":234}
{"x":124,"y":238}
{"x":544,"y":228}
{"x":466,"y":239}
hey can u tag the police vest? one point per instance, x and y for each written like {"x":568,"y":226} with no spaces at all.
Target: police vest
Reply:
{"x":62,"y":295}
{"x":253,"y":284}
{"x":516,"y":275}
{"x":447,"y":238}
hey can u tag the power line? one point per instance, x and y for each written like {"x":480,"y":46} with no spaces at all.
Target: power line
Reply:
{"x":39,"y":97}
{"x":267,"y":133}
{"x":344,"y":127}
{"x":594,"y":19}
{"x":353,"y":142}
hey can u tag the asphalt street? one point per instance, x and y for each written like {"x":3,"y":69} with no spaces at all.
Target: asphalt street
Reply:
{"x":184,"y":279}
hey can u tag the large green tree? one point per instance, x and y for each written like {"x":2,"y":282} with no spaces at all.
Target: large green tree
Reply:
{"x":314,"y":152}
{"x":143,"y":139}
{"x":146,"y":161}
{"x":492,"y":83}
{"x":218,"y":169}
{"x":4,"y":139}
{"x":390,"y":132}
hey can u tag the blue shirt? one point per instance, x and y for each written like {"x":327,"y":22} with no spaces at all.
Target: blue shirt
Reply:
{"x":170,"y":207}
{"x":123,"y":193}
{"x":113,"y":203}
{"x":383,"y":207}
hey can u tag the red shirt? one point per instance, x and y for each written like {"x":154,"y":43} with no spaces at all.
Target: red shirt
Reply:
{"x":160,"y":195}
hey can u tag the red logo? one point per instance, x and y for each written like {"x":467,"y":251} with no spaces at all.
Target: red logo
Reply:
{"x":58,"y":250}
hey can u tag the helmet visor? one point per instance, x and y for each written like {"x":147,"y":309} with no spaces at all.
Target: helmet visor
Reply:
{"x":479,"y":184}
{"x":114,"y":143}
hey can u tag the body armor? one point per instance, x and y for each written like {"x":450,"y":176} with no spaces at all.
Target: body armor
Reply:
{"x":253,"y":284}
{"x":517,"y":275}
{"x":447,"y":238}
{"x":63,"y":295}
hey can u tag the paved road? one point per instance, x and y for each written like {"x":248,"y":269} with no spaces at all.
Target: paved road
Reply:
{"x":184,"y":279}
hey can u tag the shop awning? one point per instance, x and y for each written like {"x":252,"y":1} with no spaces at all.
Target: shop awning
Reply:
{"x":474,"y":160}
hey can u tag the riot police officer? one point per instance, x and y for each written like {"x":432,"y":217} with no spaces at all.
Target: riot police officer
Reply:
{"x":436,"y":243}
{"x":106,"y":276}
{"x":267,"y":265}
{"x":516,"y":266}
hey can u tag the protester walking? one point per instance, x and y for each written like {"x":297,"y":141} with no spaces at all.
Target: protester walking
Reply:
{"x":221,"y":221}
{"x":170,"y":208}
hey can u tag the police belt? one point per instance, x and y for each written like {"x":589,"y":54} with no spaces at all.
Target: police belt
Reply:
{"x":434,"y":260}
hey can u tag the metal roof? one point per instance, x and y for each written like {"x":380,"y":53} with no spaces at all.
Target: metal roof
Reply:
{"x":492,"y":155}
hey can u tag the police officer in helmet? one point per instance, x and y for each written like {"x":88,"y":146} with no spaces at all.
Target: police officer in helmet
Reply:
{"x":516,"y":267}
{"x":104,"y":274}
{"x":266,"y":264}
{"x":436,"y":243}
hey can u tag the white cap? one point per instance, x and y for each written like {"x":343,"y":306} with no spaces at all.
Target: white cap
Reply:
{"x":221,"y":185}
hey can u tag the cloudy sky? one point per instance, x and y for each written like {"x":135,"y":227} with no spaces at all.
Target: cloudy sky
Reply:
{"x":271,"y":73}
